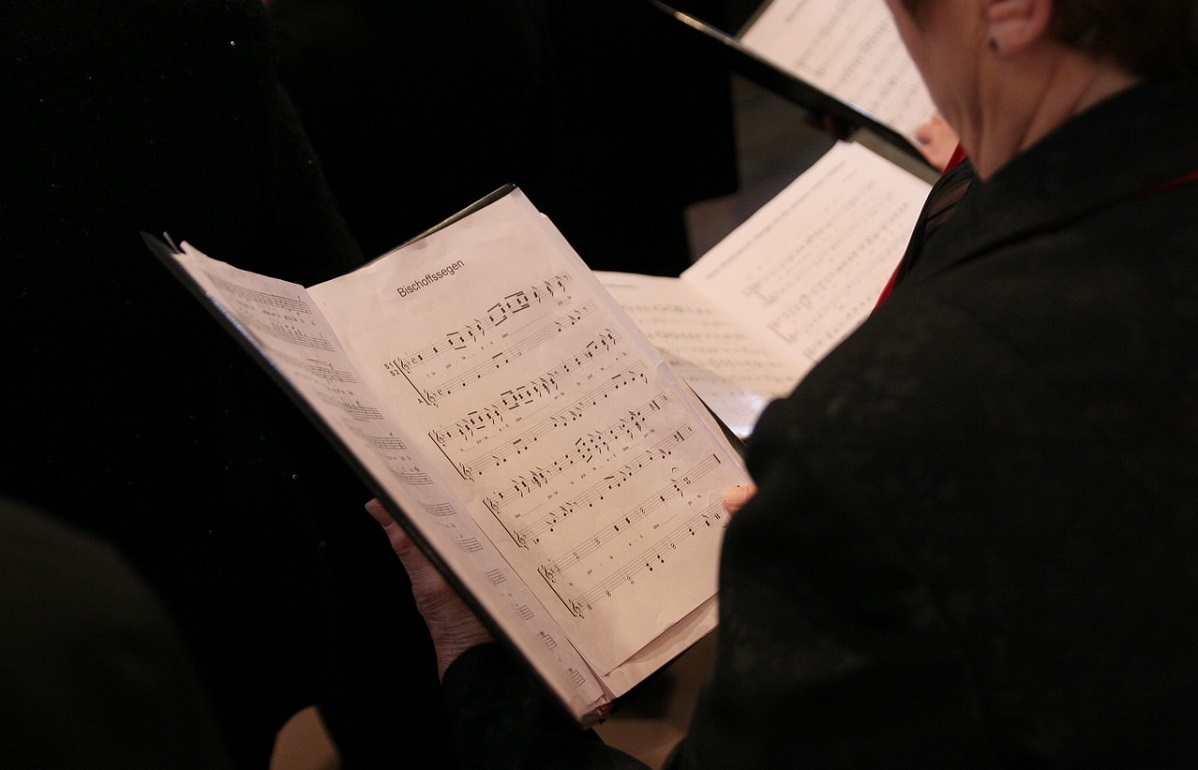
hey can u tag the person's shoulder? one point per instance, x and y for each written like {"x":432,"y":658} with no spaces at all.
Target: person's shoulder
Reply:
{"x":63,"y":573}
{"x":92,"y":669}
{"x":25,"y":531}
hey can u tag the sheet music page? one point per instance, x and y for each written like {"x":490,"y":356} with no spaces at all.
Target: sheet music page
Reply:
{"x":579,"y":455}
{"x":808,"y":267}
{"x":850,"y":49}
{"x":283,"y":323}
{"x":734,"y":370}
{"x":749,"y":319}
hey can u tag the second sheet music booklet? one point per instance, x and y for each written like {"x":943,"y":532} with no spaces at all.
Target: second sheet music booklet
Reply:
{"x":504,"y":406}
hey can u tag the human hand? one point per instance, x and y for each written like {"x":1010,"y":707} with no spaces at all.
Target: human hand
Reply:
{"x":735,"y":497}
{"x":453,"y":626}
{"x":834,"y":127}
{"x":936,"y":140}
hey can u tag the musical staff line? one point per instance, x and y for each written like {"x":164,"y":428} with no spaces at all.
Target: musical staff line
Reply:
{"x":383,"y":443}
{"x":329,"y":373}
{"x":648,"y":560}
{"x":494,"y":316}
{"x":509,"y":355}
{"x":550,"y":570}
{"x":497,"y":457}
{"x":439,"y":509}
{"x":289,"y":333}
{"x":588,"y":498}
{"x":353,"y":409}
{"x":284,"y":329}
{"x":544,"y":386}
{"x":411,"y":476}
{"x":260,"y":299}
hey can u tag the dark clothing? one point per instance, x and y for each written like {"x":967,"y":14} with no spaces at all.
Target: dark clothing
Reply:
{"x":92,"y":673}
{"x":130,"y":412}
{"x":975,"y":540}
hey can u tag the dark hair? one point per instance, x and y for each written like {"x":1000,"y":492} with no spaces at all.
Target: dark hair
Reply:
{"x":1147,"y":37}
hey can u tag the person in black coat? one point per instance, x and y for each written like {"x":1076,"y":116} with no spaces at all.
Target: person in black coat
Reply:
{"x":974,"y":537}
{"x":130,"y":413}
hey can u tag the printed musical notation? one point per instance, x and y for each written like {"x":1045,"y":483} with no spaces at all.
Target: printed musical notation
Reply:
{"x":588,"y":498}
{"x":559,"y":440}
{"x":825,"y":285}
{"x":574,"y":412}
{"x":494,"y":317}
{"x":329,"y":372}
{"x":749,"y":319}
{"x":650,"y":560}
{"x":388,"y":443}
{"x":508,"y":355}
{"x":616,"y":527}
{"x":611,"y":529}
{"x":475,"y":340}
{"x":285,"y":319}
{"x":525,"y":394}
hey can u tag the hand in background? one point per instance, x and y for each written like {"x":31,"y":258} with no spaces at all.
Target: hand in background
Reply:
{"x":834,"y":127}
{"x":453,"y":626}
{"x":936,"y":140}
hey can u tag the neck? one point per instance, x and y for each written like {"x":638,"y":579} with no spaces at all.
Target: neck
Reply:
{"x":1057,"y":88}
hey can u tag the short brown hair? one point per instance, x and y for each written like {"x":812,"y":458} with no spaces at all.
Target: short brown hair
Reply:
{"x":1146,"y":37}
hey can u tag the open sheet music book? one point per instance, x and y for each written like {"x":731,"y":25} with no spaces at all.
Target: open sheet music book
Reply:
{"x":751,"y":317}
{"x":519,"y":426}
{"x":840,"y":57}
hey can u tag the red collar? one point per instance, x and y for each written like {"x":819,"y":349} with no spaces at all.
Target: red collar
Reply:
{"x":958,"y":155}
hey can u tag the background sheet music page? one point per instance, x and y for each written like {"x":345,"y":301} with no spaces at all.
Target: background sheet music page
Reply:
{"x":733,"y":370}
{"x":751,"y":317}
{"x":574,"y":448}
{"x":850,"y":49}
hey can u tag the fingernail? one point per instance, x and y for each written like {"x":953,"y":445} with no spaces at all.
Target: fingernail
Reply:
{"x":735,"y":497}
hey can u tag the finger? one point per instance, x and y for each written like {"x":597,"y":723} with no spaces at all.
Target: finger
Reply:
{"x":384,"y":518}
{"x":401,"y":544}
{"x":378,"y":512}
{"x":735,"y":497}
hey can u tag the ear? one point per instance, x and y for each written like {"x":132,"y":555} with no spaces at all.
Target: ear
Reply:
{"x":1014,"y":25}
